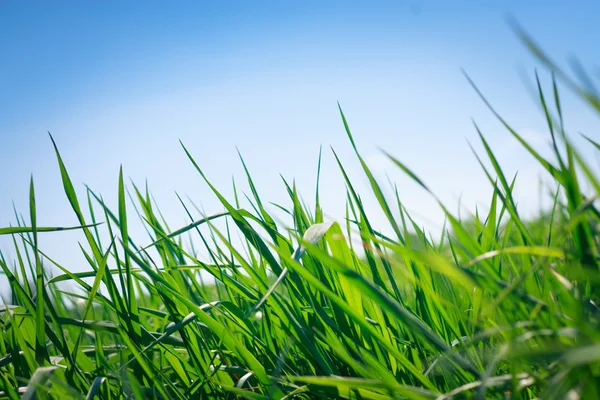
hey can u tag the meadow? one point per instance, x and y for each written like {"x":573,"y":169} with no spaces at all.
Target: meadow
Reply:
{"x":497,"y":307}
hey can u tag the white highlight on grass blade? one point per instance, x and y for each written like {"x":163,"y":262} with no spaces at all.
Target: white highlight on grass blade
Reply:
{"x":38,"y":381}
{"x":312,"y":235}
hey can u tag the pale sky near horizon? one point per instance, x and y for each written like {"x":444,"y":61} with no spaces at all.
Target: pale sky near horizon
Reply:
{"x":121,"y":82}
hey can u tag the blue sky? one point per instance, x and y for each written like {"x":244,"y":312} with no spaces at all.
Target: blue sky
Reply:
{"x":121,"y":82}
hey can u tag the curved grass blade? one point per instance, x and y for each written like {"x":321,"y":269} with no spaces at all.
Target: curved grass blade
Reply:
{"x":37,"y":382}
{"x":95,"y":388}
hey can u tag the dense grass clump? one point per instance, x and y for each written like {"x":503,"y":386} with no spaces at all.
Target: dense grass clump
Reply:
{"x":499,"y":307}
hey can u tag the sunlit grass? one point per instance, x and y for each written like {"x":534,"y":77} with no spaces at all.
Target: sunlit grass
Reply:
{"x":497,"y":307}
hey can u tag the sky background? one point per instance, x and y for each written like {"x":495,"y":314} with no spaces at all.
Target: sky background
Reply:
{"x":120,"y":83}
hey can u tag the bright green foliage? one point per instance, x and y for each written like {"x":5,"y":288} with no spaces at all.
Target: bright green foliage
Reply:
{"x":499,"y":307}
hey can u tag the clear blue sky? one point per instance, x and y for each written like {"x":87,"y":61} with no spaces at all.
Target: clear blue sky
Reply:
{"x":120,"y":82}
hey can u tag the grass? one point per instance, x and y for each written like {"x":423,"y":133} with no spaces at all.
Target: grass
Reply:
{"x":498,"y":307}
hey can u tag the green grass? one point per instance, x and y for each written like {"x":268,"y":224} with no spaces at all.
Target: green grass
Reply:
{"x":498,"y":307}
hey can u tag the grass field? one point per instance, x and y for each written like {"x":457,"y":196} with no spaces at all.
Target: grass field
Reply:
{"x":498,"y":307}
